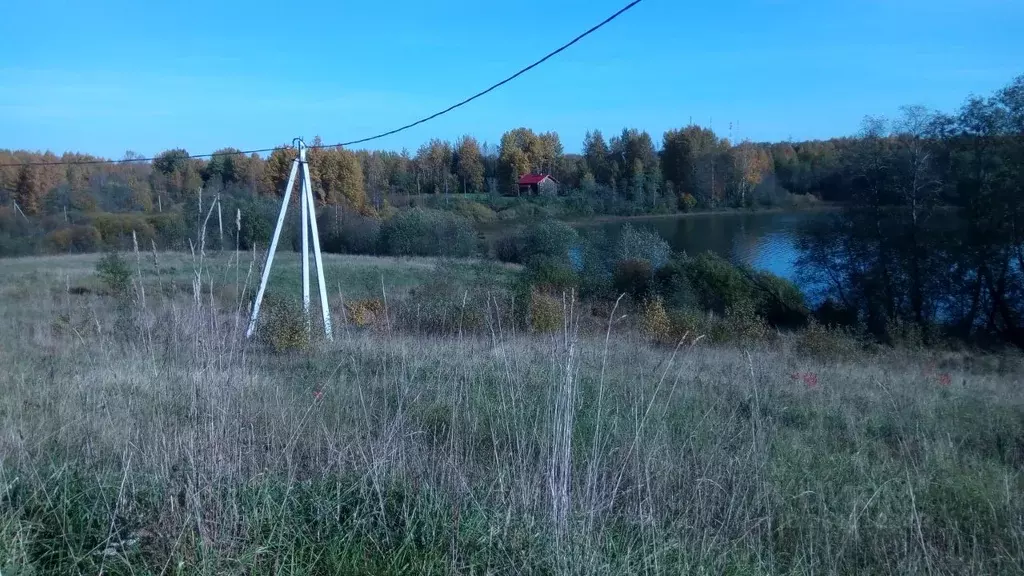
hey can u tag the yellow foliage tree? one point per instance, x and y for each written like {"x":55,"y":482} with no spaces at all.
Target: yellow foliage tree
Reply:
{"x":338,"y":178}
{"x":275,"y":172}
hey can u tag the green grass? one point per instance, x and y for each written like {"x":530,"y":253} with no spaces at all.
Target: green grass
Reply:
{"x":155,"y":440}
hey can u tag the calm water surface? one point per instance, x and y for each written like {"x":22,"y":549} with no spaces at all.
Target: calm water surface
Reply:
{"x":764,"y":241}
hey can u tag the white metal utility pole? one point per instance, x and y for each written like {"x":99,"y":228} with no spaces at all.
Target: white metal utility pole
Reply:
{"x":300,"y":168}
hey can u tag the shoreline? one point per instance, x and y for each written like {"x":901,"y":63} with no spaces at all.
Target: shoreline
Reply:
{"x":607,"y":218}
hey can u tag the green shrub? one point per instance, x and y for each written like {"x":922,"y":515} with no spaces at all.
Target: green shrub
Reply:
{"x":170,"y":230}
{"x":115,"y":273}
{"x":687,"y":203}
{"x":779,"y":301}
{"x":672,"y":284}
{"x":258,"y":222}
{"x":635,"y":278}
{"x":741,"y":324}
{"x":549,"y":238}
{"x":425,"y":232}
{"x":551,"y":274}
{"x":642,"y":244}
{"x":283,"y":325}
{"x":475,"y":212}
{"x":716,"y":283}
{"x":116,"y":229}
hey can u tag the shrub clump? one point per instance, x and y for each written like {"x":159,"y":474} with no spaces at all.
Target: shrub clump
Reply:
{"x":425,"y":232}
{"x":655,"y":322}
{"x":635,"y":278}
{"x":826,"y":342}
{"x":283,"y":326}
{"x":546,"y":313}
{"x":741,"y":324}
{"x":114,"y":273}
{"x":368,"y":312}
{"x":642,"y":244}
{"x":475,"y":212}
{"x":549,"y":238}
{"x":79,"y":239}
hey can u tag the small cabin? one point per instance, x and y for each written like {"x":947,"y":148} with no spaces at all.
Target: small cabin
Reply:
{"x":535,"y":184}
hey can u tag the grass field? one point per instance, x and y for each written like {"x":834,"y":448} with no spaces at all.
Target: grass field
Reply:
{"x":146,"y":436}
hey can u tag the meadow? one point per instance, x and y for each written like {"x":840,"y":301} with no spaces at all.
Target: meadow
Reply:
{"x":141,"y":433}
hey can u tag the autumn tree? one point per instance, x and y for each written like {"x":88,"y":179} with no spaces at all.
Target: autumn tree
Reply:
{"x":375,"y":175}
{"x":337,"y":178}
{"x":751,"y":165}
{"x":232,"y":167}
{"x":434,"y":160}
{"x":27,"y":191}
{"x":469,"y":165}
{"x":176,"y":174}
{"x":549,"y":152}
{"x":276,"y":170}
{"x":522,"y":152}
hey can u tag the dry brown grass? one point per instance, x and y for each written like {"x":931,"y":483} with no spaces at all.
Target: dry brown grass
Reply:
{"x":158,"y":441}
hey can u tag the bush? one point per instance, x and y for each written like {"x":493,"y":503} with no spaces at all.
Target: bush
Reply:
{"x":635,"y":278}
{"x":687,"y":203}
{"x":475,"y":212}
{"x":258,"y":222}
{"x":642,"y":244}
{"x":425,"y":232}
{"x":366,"y":313}
{"x":549,"y":238}
{"x":551,"y":274}
{"x":672,"y":284}
{"x":283,"y":325}
{"x":116,"y":229}
{"x":655,"y":322}
{"x":829,"y":313}
{"x":80,"y":239}
{"x":114,"y":273}
{"x":779,"y":301}
{"x":716,"y":283}
{"x":741,"y":324}
{"x":826,"y":342}
{"x":170,"y":231}
{"x":546,"y":314}
{"x":347,"y":232}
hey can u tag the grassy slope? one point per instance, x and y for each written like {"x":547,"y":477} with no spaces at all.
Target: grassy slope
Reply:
{"x":155,"y":441}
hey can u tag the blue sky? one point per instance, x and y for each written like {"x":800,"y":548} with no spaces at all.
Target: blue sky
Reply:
{"x":106,"y":77}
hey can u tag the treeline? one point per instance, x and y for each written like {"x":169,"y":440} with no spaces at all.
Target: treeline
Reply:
{"x":63,"y":204}
{"x":932,"y":241}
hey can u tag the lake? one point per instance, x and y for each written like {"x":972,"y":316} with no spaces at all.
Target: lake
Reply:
{"x":761,"y":240}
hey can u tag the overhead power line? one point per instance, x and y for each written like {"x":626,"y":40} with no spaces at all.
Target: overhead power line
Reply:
{"x":499,"y":84}
{"x":547,"y":57}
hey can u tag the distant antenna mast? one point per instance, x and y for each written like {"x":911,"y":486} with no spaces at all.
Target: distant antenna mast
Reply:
{"x":308,"y":220}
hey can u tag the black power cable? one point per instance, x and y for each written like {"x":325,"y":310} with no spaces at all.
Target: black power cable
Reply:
{"x":370,"y":138}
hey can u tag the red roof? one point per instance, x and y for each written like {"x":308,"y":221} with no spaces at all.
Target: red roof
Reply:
{"x":531,"y":179}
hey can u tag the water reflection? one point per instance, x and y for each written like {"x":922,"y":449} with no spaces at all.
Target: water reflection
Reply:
{"x":764,"y":241}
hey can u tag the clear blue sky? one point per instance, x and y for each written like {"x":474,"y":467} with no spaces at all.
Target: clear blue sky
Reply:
{"x":105,"y":77}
